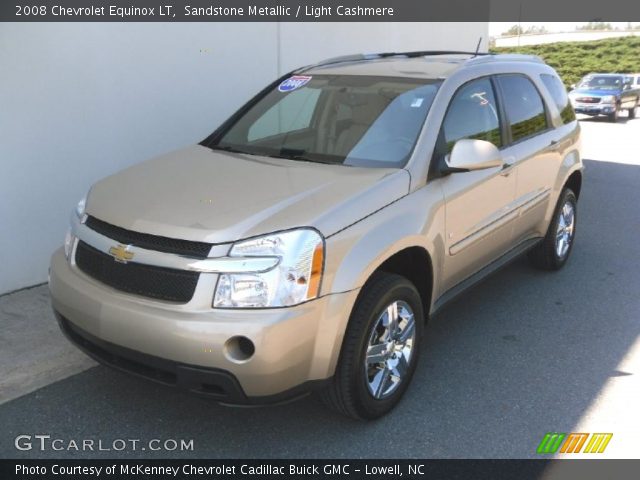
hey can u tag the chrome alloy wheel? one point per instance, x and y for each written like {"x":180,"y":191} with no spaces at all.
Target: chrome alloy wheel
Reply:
{"x":389,"y":349}
{"x":566,"y":229}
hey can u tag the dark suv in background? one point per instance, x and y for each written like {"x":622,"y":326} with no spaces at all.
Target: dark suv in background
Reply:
{"x":606,"y":94}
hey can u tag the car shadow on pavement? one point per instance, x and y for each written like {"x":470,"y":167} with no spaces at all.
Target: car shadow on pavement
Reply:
{"x":523,"y":353}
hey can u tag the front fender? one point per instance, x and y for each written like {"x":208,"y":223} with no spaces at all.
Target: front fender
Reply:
{"x":416,"y":220}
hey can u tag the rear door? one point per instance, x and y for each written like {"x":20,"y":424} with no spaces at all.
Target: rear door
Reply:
{"x":478,"y":216}
{"x":533,"y":150}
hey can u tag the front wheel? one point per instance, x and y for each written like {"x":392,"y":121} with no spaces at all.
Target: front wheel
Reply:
{"x":380,"y":349}
{"x":613,"y":117}
{"x":552,"y":252}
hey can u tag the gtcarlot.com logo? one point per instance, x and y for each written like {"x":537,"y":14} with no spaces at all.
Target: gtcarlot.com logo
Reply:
{"x":46,"y":442}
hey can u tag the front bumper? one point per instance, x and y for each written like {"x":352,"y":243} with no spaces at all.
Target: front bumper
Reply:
{"x":594,"y":109}
{"x":295,"y":348}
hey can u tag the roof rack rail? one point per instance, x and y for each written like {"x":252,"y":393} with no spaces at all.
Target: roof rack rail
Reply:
{"x":510,"y":57}
{"x":361,"y":57}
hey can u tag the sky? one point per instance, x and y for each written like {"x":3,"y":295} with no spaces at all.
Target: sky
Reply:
{"x":496,"y":28}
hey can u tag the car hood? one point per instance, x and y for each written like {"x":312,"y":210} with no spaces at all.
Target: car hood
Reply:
{"x":595,"y":92}
{"x":211,"y":196}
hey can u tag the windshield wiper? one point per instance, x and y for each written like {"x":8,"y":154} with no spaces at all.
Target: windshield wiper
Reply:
{"x":300,"y":158}
{"x":229,"y":148}
{"x":290,"y":154}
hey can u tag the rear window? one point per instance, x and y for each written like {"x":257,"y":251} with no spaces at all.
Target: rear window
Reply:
{"x":560,"y":97}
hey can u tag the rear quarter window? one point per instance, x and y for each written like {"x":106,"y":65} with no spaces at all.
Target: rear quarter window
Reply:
{"x":560,"y":97}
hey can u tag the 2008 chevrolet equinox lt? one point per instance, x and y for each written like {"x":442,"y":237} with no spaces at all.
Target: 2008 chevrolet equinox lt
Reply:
{"x":303,"y":244}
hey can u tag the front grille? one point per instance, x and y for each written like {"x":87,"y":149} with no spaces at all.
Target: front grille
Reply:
{"x":588,"y":99}
{"x":148,"y":241}
{"x":146,"y":280}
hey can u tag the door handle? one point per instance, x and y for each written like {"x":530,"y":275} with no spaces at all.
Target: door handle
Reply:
{"x":507,"y":167}
{"x":506,"y":170}
{"x":555,"y":145}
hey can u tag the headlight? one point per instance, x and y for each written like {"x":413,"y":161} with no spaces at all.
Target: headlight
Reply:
{"x":69,"y":237}
{"x":80,"y":207}
{"x":295,"y":279}
{"x":608,"y":99}
{"x":68,"y":243}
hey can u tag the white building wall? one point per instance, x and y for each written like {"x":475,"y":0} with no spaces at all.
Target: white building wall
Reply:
{"x":81,"y":101}
{"x":580,"y":36}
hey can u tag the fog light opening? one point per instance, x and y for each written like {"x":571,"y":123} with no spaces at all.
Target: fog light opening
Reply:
{"x":239,"y":349}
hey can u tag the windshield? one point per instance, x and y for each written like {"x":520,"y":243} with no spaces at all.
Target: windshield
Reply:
{"x":339,"y":119}
{"x":602,"y":82}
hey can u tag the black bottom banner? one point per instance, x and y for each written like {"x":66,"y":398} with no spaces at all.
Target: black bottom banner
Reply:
{"x":318,"y":469}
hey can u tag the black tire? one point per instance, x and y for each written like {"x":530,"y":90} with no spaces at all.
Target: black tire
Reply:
{"x":348,"y":392}
{"x":632,"y":112}
{"x":613,"y":117}
{"x":544,"y":255}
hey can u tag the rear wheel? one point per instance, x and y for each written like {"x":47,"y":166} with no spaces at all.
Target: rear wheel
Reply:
{"x":380,"y":349}
{"x":633,"y":111}
{"x":552,"y":253}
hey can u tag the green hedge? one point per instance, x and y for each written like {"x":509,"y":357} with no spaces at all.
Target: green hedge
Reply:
{"x":573,"y":60}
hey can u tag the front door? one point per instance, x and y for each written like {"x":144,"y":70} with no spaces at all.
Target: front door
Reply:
{"x":479,"y":218}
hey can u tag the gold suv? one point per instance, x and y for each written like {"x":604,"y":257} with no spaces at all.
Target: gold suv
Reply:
{"x":303,"y":244}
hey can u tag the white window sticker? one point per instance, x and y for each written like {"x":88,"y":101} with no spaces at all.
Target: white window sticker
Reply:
{"x":417,"y":102}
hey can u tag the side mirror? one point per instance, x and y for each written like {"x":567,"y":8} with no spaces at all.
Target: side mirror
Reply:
{"x":468,"y":155}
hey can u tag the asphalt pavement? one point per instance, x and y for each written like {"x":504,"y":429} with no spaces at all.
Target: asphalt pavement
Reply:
{"x":524,"y":353}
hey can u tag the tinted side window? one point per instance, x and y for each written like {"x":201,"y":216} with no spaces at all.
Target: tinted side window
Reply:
{"x":523,"y":105}
{"x":560,"y":97}
{"x":472,"y":114}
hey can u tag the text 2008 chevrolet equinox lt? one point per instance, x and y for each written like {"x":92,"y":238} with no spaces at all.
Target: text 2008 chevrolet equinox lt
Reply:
{"x":302,"y":245}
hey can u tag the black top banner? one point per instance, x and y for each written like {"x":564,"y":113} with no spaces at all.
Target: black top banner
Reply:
{"x":317,"y":10}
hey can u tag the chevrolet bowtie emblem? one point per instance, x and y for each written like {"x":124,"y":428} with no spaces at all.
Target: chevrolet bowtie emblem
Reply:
{"x":121,"y":253}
